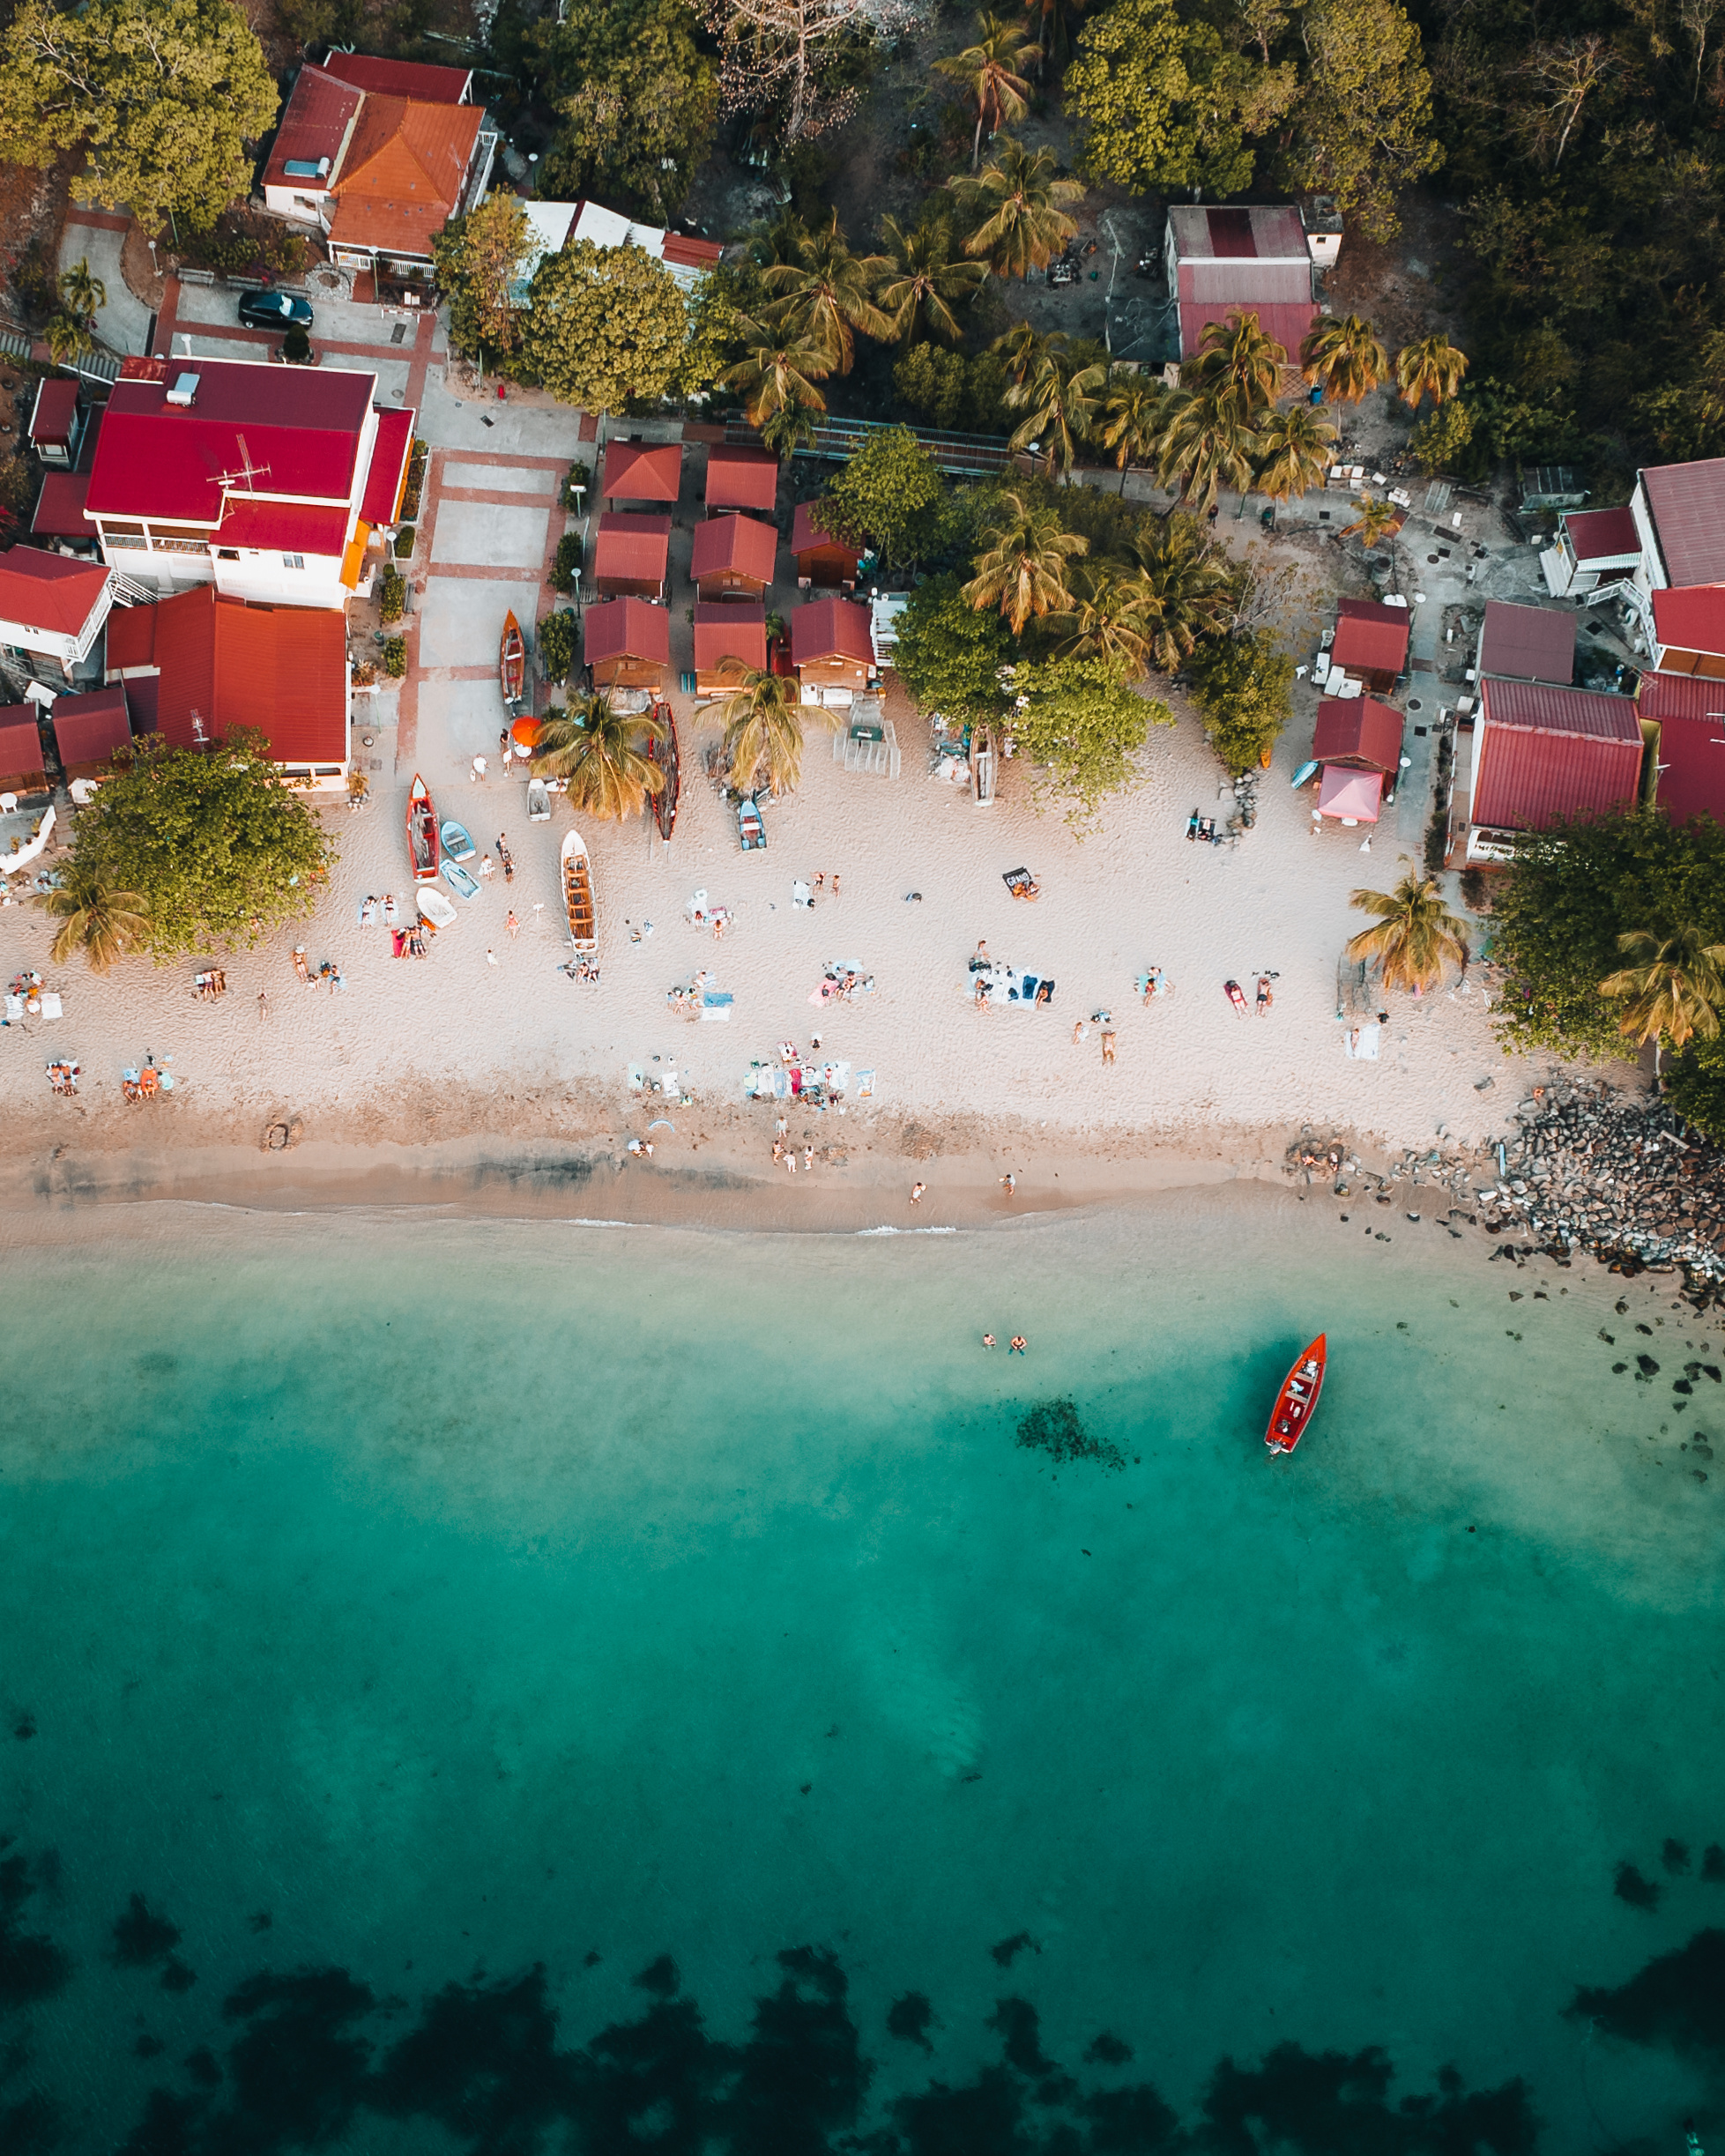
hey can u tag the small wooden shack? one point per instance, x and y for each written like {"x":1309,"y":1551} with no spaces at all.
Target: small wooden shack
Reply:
{"x":733,"y":557}
{"x":90,"y":730}
{"x":642,"y":471}
{"x":631,"y":554}
{"x":741,"y":478}
{"x":627,"y":644}
{"x":728,"y":638}
{"x":822,"y":561}
{"x":831,"y":650}
{"x":22,"y":768}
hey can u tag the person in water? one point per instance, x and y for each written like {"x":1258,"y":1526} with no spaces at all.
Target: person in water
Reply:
{"x":1017,"y":1344}
{"x":988,"y":1340}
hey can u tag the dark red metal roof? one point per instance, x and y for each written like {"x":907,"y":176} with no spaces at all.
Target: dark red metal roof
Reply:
{"x":21,"y":743}
{"x":223,"y":664}
{"x":807,"y":531}
{"x":742,"y":545}
{"x":1690,"y":621}
{"x":632,"y":548}
{"x":56,"y":410}
{"x":60,"y":506}
{"x":1358,"y":732}
{"x":89,"y":729}
{"x":1691,"y":711}
{"x":626,"y":629}
{"x":642,"y":471}
{"x":1371,"y":637}
{"x":1528,"y":643}
{"x":1600,"y":535}
{"x":1287,"y":323}
{"x":1547,"y":752}
{"x":741,"y":478}
{"x":735,"y":630}
{"x":50,"y":591}
{"x":831,"y":628}
{"x":295,"y":527}
{"x":413,"y":79}
{"x":1688,"y":506}
{"x":387,"y":473}
{"x":314,"y":126}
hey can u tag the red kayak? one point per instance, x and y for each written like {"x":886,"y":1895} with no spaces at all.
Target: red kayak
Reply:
{"x":1296,"y":1402}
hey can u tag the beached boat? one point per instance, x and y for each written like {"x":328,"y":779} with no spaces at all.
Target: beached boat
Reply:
{"x":433,"y":907}
{"x":512,"y":660}
{"x":578,"y":893}
{"x":538,"y":801}
{"x":421,"y":831}
{"x":750,"y":830}
{"x":1307,"y":772}
{"x":666,"y":755}
{"x":459,"y":881}
{"x":458,"y":846}
{"x":1296,"y":1402}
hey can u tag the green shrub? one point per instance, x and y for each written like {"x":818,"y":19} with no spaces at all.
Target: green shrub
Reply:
{"x":567,"y":566}
{"x":1245,"y":692}
{"x":1437,"y":443}
{"x":404,"y":543}
{"x":411,"y":491}
{"x":391,"y":594}
{"x":395,"y":656}
{"x":557,"y":645}
{"x":296,"y":348}
{"x":931,"y":380}
{"x":580,"y":474}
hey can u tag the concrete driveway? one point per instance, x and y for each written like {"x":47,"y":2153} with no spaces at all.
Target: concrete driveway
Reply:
{"x":97,"y":238}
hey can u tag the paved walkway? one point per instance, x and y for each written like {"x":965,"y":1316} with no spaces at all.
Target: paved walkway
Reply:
{"x":96,"y":237}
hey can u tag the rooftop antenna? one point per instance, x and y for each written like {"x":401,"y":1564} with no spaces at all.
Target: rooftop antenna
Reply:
{"x":247,"y":471}
{"x":197,"y":732}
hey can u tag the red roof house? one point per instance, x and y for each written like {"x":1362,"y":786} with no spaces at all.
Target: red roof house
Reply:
{"x":56,"y":421}
{"x":1690,"y":760}
{"x":1542,"y":754}
{"x":642,"y":471}
{"x":1370,"y":642}
{"x":1223,"y":261}
{"x":1685,"y":506}
{"x":741,"y":478}
{"x":23,"y":768}
{"x":199,"y":665}
{"x":728,"y":638}
{"x":432,"y":86}
{"x":1689,"y":631}
{"x":60,"y":507}
{"x":831,"y":649}
{"x":1527,"y":644}
{"x":733,"y":557}
{"x":627,"y":644}
{"x":89,"y":730}
{"x":631,"y":554}
{"x":52,"y":604}
{"x":821,"y":559}
{"x":1359,"y":732}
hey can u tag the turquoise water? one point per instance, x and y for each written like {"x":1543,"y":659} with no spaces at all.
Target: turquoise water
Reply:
{"x":568,"y":1688}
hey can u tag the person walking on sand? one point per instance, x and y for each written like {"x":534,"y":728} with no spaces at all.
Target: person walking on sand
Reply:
{"x":513,"y":925}
{"x":491,"y":958}
{"x":917,"y":1190}
{"x":263,"y":1006}
{"x":1108,"y":1043}
{"x":1009,"y":1184}
{"x":835,"y":883}
{"x":791,"y":1161}
{"x":808,"y":1158}
{"x":778,"y":1151}
{"x":479,"y":769}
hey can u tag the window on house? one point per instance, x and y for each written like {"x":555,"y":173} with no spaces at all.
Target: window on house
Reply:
{"x":227,"y":553}
{"x":293,"y":560}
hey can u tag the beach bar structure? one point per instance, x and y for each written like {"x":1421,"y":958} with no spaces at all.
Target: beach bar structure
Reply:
{"x":642,"y":471}
{"x":832,"y":650}
{"x":22,"y":768}
{"x":733,"y":557}
{"x":89,"y":732}
{"x":631,"y":554}
{"x":1542,"y":754}
{"x":1370,"y":643}
{"x":822,"y":561}
{"x":1357,"y":741}
{"x":741,"y":478}
{"x":625,"y":643}
{"x":728,"y":639}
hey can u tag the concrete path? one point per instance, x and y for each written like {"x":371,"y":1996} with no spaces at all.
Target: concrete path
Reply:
{"x":97,"y":237}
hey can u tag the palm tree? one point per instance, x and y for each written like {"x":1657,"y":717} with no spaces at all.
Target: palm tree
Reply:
{"x":1430,"y":367}
{"x":921,"y":284}
{"x":1182,"y":588}
{"x":987,"y":73}
{"x":1021,"y":206}
{"x":1053,"y":39}
{"x":1237,"y":362}
{"x":603,"y":754}
{"x":1206,"y":444}
{"x":103,"y":923}
{"x":1375,"y":518}
{"x":763,"y":730}
{"x":777,"y":372}
{"x":1346,"y":357}
{"x":1109,"y":617}
{"x":1417,"y":933}
{"x":1132,"y":424}
{"x":781,"y":241}
{"x":1294,"y":446}
{"x":66,"y":336}
{"x":1674,"y":988}
{"x":1060,"y":400}
{"x":1022,"y":568}
{"x":790,"y":428}
{"x":1020,"y":347}
{"x":83,"y":294}
{"x":826,"y":294}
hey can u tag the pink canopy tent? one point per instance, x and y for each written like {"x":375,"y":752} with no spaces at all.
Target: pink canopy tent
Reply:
{"x":1353,"y":796}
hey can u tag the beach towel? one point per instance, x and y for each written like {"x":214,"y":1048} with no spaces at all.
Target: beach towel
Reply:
{"x":1362,"y":1043}
{"x":51,"y":1006}
{"x":14,"y":1010}
{"x":801,"y":893}
{"x":716,"y":1008}
{"x":865,"y":1085}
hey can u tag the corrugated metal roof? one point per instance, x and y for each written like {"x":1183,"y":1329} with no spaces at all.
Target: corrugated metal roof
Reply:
{"x":1287,"y":324}
{"x":1371,"y":637}
{"x":1691,"y":711}
{"x":741,"y":478}
{"x":1549,"y":752}
{"x":831,"y":629}
{"x":49,"y":592}
{"x":1245,"y":284}
{"x":1221,"y":232}
{"x":626,"y":629}
{"x":741,"y":545}
{"x":314,"y":126}
{"x":642,"y":471}
{"x":632,"y":549}
{"x":1690,"y":621}
{"x":89,"y":729}
{"x":1527,"y":644}
{"x":415,"y":79}
{"x":1358,"y":731}
{"x":21,"y":743}
{"x":294,"y":527}
{"x":223,"y":664}
{"x":387,"y":473}
{"x":807,"y":532}
{"x":1688,"y":506}
{"x":1602,"y":535}
{"x":737,"y":630}
{"x":54,"y":409}
{"x":60,"y":506}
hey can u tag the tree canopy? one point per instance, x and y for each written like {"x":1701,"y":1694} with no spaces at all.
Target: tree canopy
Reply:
{"x":636,"y":102}
{"x":1245,"y":693}
{"x":479,"y":257}
{"x":161,"y":96}
{"x":1080,"y":724}
{"x":888,"y":497}
{"x":608,"y":327}
{"x":214,"y":842}
{"x":949,"y":655}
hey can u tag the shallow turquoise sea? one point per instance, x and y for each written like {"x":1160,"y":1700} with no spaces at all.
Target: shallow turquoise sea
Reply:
{"x":500,"y":1686}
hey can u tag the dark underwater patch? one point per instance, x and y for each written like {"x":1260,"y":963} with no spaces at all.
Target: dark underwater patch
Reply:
{"x":1052,"y":1426}
{"x":141,"y":1937}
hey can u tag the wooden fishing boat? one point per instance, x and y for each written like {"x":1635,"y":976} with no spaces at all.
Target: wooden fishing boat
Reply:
{"x":538,"y":801}
{"x":666,"y":755}
{"x":512,"y":660}
{"x":1296,"y":1402}
{"x":578,"y":893}
{"x":421,"y":831}
{"x":458,"y":881}
{"x":433,"y":907}
{"x":458,"y":846}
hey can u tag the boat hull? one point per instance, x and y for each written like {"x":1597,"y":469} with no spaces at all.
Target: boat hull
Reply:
{"x":1296,"y":1402}
{"x":433,"y":907}
{"x":512,"y":660}
{"x":578,"y":894}
{"x":423,"y":849}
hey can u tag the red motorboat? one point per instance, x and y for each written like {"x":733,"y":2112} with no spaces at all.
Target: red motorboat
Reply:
{"x":421,"y":832}
{"x":1296,"y":1402}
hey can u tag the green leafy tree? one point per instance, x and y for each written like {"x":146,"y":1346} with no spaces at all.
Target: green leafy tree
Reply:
{"x":1080,"y":725}
{"x":987,"y":73}
{"x":1439,"y":442}
{"x":1020,"y":204}
{"x":932,"y":381}
{"x":1416,"y":936}
{"x":1245,"y":693}
{"x":605,"y":754}
{"x":608,"y":327}
{"x":556,"y":643}
{"x":214,"y":846}
{"x":95,"y":918}
{"x":479,"y":258}
{"x":1022,"y":570}
{"x":1362,"y":130}
{"x":636,"y":102}
{"x":888,"y":497}
{"x":161,"y":96}
{"x":949,"y":656}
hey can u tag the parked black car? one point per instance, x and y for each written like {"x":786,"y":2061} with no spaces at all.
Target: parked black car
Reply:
{"x":274,"y":310}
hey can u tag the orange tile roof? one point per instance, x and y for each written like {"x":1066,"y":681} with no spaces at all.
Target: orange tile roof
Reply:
{"x":401,"y":178}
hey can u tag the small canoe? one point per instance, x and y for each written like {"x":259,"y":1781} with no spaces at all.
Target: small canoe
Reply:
{"x":459,"y":881}
{"x":750,"y":830}
{"x":538,"y":802}
{"x":433,"y":907}
{"x":1296,"y":1402}
{"x":421,"y":831}
{"x":1306,"y":773}
{"x":578,"y":893}
{"x":664,"y":754}
{"x":458,"y":846}
{"x":512,"y":660}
